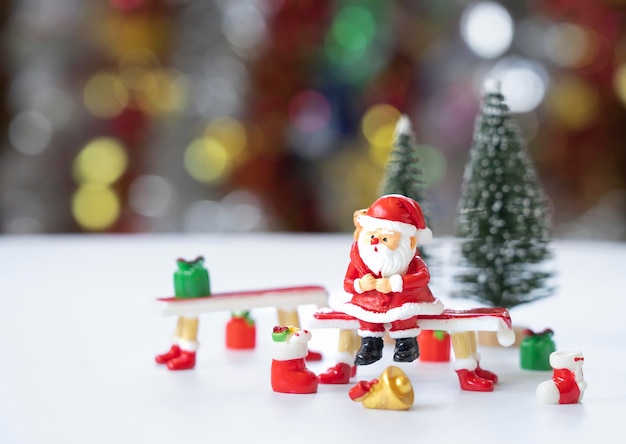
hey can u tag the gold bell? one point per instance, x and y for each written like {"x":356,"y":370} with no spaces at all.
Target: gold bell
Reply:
{"x":391,"y":391}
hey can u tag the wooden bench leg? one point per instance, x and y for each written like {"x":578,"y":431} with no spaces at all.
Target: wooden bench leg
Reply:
{"x":288,"y":318}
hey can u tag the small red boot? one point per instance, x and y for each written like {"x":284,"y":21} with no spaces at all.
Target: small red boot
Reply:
{"x":567,"y":385}
{"x":186,"y":361}
{"x":292,"y":376}
{"x":338,"y":374}
{"x":482,"y":373}
{"x":187,"y":358}
{"x":471,"y":382}
{"x":468,"y":379}
{"x":174,"y":352}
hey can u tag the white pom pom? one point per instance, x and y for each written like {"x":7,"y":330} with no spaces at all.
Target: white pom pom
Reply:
{"x":424,"y":236}
{"x":492,"y":86}
{"x":505,"y":337}
{"x":547,"y":393}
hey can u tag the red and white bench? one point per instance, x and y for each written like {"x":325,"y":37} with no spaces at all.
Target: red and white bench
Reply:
{"x":287,"y":298}
{"x":453,"y":321}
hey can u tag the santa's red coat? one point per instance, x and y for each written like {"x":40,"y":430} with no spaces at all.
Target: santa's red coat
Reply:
{"x":373,"y":306}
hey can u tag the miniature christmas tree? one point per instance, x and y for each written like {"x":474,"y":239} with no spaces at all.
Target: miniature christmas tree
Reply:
{"x":503,"y":215}
{"x":402,"y":175}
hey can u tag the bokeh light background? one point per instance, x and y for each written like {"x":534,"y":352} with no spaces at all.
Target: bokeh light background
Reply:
{"x":128,"y":116}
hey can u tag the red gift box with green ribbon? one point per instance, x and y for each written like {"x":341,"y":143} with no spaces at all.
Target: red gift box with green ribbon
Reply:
{"x":240,"y":331}
{"x":434,"y":345}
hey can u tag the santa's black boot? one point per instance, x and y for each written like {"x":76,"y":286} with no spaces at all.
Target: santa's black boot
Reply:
{"x":371,"y":351}
{"x":406,"y":350}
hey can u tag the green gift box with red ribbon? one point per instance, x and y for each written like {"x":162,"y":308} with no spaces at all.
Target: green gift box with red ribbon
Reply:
{"x":535,"y":350}
{"x":191,"y":279}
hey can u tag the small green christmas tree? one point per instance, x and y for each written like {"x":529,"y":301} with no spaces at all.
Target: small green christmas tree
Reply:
{"x":402,"y":175}
{"x":503,"y":216}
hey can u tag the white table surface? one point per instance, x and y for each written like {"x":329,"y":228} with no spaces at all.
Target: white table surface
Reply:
{"x":79,"y":329}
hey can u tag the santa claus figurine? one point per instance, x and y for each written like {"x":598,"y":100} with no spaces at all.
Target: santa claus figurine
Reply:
{"x":388,"y":280}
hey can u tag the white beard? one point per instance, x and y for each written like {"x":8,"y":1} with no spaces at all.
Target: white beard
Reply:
{"x":385,"y":261}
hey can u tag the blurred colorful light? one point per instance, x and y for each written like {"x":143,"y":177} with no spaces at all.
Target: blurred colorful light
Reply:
{"x":340,"y":56}
{"x":168,"y":94}
{"x":574,"y":102}
{"x":354,"y":28}
{"x":203,"y":216}
{"x":101,"y":161}
{"x":95,"y":207}
{"x":352,"y":31}
{"x":239,"y":211}
{"x":30,"y":132}
{"x":105,"y":95}
{"x":378,"y":125}
{"x":309,"y":111}
{"x":243,"y":25}
{"x":230,"y":133}
{"x":487,"y":29}
{"x":150,"y":195}
{"x":213,"y":93}
{"x":56,"y":105}
{"x":569,"y":45}
{"x":524,"y":82}
{"x":206,"y":160}
{"x":136,"y":77}
{"x":243,"y":211}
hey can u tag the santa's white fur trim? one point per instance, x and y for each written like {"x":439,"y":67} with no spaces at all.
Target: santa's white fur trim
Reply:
{"x":190,"y":346}
{"x":373,"y":223}
{"x":465,"y":364}
{"x":403,"y":312}
{"x":396,"y":283}
{"x":424,"y":236}
{"x":408,"y":333}
{"x":283,"y":351}
{"x":370,"y":334}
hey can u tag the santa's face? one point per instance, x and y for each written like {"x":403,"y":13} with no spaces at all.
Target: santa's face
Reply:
{"x":385,"y":251}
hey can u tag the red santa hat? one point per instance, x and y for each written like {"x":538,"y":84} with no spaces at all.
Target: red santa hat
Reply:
{"x":398,"y":213}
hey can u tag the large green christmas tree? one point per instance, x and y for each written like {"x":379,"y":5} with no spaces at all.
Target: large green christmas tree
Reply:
{"x":503,"y":216}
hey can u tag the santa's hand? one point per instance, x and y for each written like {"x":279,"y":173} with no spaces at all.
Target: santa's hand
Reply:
{"x":367,"y":282}
{"x":383,"y":285}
